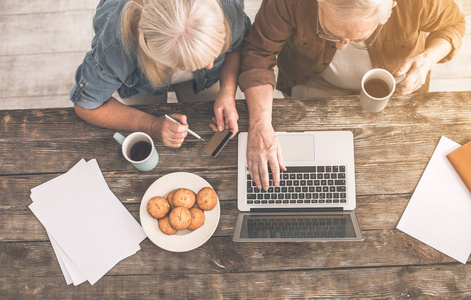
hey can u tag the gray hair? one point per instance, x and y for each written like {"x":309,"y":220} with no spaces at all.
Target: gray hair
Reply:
{"x":346,"y":10}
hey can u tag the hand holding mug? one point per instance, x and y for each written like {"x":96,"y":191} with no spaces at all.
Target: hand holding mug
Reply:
{"x":377,"y":87}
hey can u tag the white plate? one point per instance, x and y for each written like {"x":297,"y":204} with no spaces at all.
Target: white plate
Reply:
{"x":183,"y":240}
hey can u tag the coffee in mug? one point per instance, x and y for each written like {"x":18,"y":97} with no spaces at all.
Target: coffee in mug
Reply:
{"x":138,"y":148}
{"x":377,"y":86}
{"x":140,"y":151}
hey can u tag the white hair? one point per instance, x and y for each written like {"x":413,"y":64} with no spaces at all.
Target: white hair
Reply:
{"x":174,"y":34}
{"x":347,"y":10}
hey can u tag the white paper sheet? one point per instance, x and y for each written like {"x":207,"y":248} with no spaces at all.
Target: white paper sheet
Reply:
{"x":71,"y":273}
{"x":439,"y":211}
{"x":88,"y":226}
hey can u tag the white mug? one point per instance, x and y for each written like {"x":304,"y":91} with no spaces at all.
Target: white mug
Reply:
{"x":138,"y":148}
{"x":377,"y":86}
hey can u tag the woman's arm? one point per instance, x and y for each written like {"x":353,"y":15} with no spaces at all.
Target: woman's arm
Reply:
{"x":224,"y":108}
{"x":115,"y":115}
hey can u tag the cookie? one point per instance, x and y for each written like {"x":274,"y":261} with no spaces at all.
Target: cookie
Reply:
{"x":165,"y":226}
{"x":158,"y":207}
{"x":197,"y":218}
{"x":207,"y":198}
{"x":183,"y":197}
{"x":180,"y":218}
{"x":170,"y":199}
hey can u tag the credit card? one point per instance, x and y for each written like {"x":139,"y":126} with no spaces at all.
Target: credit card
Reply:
{"x":217,"y":142}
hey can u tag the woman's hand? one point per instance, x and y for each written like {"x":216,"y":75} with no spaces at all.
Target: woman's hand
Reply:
{"x":225,"y":113}
{"x":170,"y":133}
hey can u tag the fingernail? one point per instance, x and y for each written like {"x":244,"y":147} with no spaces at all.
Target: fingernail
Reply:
{"x":220,"y":128}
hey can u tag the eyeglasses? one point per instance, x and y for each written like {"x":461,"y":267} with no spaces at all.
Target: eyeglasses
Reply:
{"x":358,"y":45}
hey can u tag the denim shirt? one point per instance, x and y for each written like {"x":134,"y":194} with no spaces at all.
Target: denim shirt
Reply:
{"x":107,"y":68}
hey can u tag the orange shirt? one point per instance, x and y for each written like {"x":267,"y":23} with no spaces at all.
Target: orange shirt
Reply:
{"x":284,"y":34}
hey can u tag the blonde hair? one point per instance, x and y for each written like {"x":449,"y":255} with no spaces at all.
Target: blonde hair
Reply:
{"x":358,"y":9}
{"x":174,"y":34}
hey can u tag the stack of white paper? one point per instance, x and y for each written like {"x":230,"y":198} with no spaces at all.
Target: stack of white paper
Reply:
{"x":90,"y":230}
{"x":439,"y":212}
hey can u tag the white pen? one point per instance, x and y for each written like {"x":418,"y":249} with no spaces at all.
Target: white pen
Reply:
{"x":189,"y":130}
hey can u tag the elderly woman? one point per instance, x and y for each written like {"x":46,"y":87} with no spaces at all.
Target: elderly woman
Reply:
{"x":303,"y":37}
{"x":143,"y":47}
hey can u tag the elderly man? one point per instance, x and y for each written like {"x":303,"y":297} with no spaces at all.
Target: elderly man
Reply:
{"x":303,"y":37}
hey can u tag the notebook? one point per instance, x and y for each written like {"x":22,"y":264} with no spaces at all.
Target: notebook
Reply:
{"x":316,"y":197}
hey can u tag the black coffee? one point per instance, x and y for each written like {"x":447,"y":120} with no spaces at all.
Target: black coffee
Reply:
{"x":376,"y":88}
{"x":140,"y":151}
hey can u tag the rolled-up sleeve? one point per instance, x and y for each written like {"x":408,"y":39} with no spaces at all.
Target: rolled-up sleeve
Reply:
{"x":269,"y":32}
{"x":93,"y":85}
{"x":443,"y":19}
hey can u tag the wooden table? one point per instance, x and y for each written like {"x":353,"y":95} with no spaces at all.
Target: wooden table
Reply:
{"x":392,"y":149}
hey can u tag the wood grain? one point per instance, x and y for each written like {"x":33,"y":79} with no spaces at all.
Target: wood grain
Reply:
{"x":12,"y":7}
{"x":52,"y":33}
{"x":377,"y":212}
{"x":392,"y":149}
{"x":441,"y":282}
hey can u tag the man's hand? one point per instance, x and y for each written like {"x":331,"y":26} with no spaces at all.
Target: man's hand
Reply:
{"x":263,"y":151}
{"x":418,"y":66}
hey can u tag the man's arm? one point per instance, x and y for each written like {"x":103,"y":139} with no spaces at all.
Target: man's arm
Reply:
{"x":417,"y":67}
{"x":115,"y":115}
{"x":447,"y":26}
{"x":263,"y":149}
{"x":273,"y":26}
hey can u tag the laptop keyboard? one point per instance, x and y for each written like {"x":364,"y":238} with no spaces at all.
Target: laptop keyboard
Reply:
{"x":296,"y":228}
{"x":301,"y":185}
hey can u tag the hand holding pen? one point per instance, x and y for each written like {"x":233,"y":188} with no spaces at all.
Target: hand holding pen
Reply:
{"x":189,"y":130}
{"x":171,"y":133}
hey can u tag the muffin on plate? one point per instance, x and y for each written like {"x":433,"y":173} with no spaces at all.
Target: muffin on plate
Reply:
{"x":165,"y":226}
{"x":158,"y":207}
{"x":197,"y":218}
{"x":183,"y":197}
{"x":170,"y":199}
{"x":207,"y":198}
{"x":180,"y":218}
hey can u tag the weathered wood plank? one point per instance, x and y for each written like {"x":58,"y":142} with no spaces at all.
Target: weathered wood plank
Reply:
{"x":12,"y":7}
{"x":458,"y":67}
{"x":222,"y":255}
{"x":442,"y":282}
{"x":372,"y":212}
{"x":38,"y":74}
{"x":59,"y":101}
{"x":288,"y":114}
{"x":453,"y":84}
{"x":69,"y":31}
{"x":15,"y":190}
{"x":402,"y":175}
{"x":404,"y":149}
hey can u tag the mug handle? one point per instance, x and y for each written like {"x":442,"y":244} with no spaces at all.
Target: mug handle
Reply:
{"x":119,"y":137}
{"x":399,"y":79}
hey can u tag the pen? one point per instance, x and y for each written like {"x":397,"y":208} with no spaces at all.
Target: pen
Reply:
{"x":189,"y":130}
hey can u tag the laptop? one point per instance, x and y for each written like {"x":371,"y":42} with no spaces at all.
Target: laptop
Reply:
{"x":316,"y":197}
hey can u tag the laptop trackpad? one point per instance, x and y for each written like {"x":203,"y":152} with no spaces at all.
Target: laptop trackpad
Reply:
{"x":297,"y":147}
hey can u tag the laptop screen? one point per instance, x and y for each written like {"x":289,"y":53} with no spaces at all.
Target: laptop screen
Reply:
{"x":328,"y":226}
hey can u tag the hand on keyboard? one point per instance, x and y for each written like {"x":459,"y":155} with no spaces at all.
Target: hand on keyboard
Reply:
{"x":264,"y":152}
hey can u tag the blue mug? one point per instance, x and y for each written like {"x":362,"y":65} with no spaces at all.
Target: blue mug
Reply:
{"x":138,"y":148}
